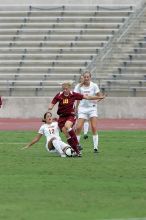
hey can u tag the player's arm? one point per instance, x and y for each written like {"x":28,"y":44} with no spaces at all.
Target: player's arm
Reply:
{"x":51,"y":105}
{"x":53,"y":102}
{"x":76,"y":90}
{"x":101,"y":96}
{"x":98,"y":97}
{"x":76,"y":106}
{"x":35,"y":140}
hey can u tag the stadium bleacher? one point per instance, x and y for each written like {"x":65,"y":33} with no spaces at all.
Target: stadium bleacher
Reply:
{"x":40,"y":48}
{"x":125,"y":67}
{"x":129,"y":72}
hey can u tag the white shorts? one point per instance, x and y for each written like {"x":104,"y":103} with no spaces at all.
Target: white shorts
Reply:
{"x":62,"y":145}
{"x":86,"y":113}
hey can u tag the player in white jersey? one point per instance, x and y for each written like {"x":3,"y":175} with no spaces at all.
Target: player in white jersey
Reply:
{"x":86,"y":122}
{"x":51,"y":131}
{"x":87,"y":109}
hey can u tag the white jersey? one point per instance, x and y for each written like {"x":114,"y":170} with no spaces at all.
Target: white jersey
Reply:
{"x":50,"y":130}
{"x":90,"y":90}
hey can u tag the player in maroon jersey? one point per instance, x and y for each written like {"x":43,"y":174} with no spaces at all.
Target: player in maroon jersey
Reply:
{"x":66,"y":111}
{"x":0,"y":102}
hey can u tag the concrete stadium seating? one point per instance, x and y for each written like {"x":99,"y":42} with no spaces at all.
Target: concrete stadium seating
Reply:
{"x":129,"y":73}
{"x":39,"y":48}
{"x":126,"y":73}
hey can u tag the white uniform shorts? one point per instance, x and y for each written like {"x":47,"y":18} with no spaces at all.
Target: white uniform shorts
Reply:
{"x":86,"y":113}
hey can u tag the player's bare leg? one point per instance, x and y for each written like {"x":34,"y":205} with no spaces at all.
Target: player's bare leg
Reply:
{"x":79,"y":126}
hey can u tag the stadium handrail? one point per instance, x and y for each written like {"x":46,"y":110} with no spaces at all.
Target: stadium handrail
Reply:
{"x":117,"y":38}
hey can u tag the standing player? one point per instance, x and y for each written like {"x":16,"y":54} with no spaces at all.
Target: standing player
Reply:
{"x":66,"y":111}
{"x":88,"y":109}
{"x":86,"y":122}
{"x":51,"y":131}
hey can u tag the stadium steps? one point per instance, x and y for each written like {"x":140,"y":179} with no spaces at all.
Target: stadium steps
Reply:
{"x":125,"y":91}
{"x":66,"y":39}
{"x":127,"y":69}
{"x":45,"y":63}
{"x":46,"y":57}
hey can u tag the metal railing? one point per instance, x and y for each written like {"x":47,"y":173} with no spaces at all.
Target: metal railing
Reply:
{"x":120,"y":36}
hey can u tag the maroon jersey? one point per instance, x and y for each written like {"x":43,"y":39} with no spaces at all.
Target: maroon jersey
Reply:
{"x":0,"y":101}
{"x":66,"y":103}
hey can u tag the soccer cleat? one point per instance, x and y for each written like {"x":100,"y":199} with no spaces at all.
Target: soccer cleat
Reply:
{"x":74,"y":154}
{"x":96,"y":150}
{"x":63,"y":155}
{"x":80,"y":147}
{"x":85,"y":136}
{"x":79,"y":155}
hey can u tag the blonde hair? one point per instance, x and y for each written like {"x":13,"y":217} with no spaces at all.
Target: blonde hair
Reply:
{"x":67,"y":83}
{"x":87,"y":72}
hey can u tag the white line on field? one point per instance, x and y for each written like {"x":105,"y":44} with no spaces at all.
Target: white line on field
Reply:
{"x":144,"y":218}
{"x":13,"y":143}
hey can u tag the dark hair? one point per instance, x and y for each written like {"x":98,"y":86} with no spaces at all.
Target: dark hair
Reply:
{"x":44,"y":118}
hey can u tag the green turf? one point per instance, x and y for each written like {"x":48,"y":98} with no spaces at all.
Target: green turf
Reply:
{"x":37,"y":185}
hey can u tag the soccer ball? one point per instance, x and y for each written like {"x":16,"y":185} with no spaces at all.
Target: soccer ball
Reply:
{"x":68,"y":151}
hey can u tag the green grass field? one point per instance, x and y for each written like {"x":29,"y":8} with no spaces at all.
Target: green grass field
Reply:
{"x":36,"y":185}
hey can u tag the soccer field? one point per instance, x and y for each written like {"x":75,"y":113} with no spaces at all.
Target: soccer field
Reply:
{"x":37,"y":185}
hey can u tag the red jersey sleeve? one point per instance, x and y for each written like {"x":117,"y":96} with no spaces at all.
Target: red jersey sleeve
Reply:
{"x":0,"y":101}
{"x":78,"y":96}
{"x":55,"y":99}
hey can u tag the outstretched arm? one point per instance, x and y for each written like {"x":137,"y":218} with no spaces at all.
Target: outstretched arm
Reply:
{"x":76,"y":106}
{"x":35,"y":140}
{"x":53,"y":102}
{"x":50,"y":106}
{"x":98,"y":97}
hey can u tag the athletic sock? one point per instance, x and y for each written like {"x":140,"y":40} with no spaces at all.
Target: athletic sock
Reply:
{"x":73,"y":135}
{"x":72,"y":143}
{"x":95,"y":141}
{"x":86,"y":127}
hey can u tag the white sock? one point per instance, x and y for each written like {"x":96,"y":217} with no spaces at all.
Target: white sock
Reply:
{"x":78,"y":137}
{"x":86,"y":127}
{"x":57,"y":146}
{"x":95,"y":141}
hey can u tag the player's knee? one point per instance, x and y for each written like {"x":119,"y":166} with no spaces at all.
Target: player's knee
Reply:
{"x":94,"y":129}
{"x":78,"y":129}
{"x":67,"y":126}
{"x":64,"y":130}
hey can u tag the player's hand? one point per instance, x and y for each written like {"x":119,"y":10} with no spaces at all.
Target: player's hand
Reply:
{"x":25,"y":147}
{"x":50,"y":107}
{"x":101,"y":98}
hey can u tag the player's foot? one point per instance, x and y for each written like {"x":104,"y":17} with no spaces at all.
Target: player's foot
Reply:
{"x":80,"y":147}
{"x":79,"y":155}
{"x":96,"y":150}
{"x":63,"y":155}
{"x":74,"y":154}
{"x":85,"y":136}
